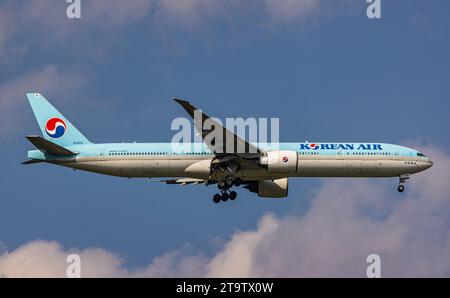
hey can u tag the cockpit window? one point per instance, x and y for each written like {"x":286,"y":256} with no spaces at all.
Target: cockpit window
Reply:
{"x":420,"y":154}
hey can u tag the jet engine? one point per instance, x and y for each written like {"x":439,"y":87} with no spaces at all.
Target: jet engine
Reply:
{"x":277,"y":188}
{"x":282,"y":161}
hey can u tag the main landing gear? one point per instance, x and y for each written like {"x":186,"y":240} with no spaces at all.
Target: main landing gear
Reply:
{"x":224,"y":196}
{"x":225,"y":193}
{"x":401,"y":187}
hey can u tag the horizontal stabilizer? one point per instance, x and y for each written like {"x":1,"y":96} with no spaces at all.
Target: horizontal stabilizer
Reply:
{"x":49,"y":147}
{"x":32,"y":161}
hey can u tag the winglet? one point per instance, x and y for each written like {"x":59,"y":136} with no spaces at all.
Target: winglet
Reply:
{"x":186,"y":105}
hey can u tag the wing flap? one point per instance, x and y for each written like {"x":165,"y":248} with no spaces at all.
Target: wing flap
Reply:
{"x":181,"y":181}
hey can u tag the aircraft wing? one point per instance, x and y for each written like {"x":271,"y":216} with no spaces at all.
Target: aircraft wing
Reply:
{"x":227,"y":147}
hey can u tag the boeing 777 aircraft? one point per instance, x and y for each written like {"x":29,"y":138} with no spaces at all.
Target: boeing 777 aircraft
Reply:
{"x":260,"y":168}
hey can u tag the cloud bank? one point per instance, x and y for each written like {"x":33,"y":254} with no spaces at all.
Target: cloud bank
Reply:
{"x":27,"y":27}
{"x":291,"y":10}
{"x":347,"y":221}
{"x":49,"y":80}
{"x":24,"y":22}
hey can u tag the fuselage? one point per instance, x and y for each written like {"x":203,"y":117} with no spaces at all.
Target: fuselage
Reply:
{"x":314,"y":160}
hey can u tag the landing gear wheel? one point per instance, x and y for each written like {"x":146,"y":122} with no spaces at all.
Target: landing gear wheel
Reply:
{"x":401,"y":188}
{"x":233,"y":195}
{"x":224,"y":196}
{"x":237,"y":182}
{"x":217,"y":198}
{"x":229,"y":183}
{"x":221,"y":185}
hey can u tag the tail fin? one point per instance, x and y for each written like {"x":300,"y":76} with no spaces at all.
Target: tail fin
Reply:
{"x":54,"y":126}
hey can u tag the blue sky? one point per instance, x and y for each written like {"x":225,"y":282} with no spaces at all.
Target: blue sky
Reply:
{"x":326,"y":70}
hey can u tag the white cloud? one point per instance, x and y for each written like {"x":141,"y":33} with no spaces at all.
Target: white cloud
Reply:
{"x":45,"y":23}
{"x":183,"y":262}
{"x":117,"y":12}
{"x":291,"y":10}
{"x":187,"y":11}
{"x":347,"y":221}
{"x":237,"y":258}
{"x":51,"y":14}
{"x":48,"y":259}
{"x":48,"y":80}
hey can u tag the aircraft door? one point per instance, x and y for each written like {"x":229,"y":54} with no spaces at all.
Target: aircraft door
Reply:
{"x":102,"y":154}
{"x":340,"y":162}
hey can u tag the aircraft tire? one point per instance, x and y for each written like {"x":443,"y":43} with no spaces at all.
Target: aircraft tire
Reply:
{"x":225,"y":196}
{"x":221,"y":185}
{"x":217,"y":198}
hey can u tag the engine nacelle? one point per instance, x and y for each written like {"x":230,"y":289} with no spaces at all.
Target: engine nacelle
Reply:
{"x":199,"y":169}
{"x":273,"y":189}
{"x":282,"y":161}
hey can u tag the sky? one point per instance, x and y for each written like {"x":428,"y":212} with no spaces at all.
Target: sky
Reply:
{"x":327,"y":71}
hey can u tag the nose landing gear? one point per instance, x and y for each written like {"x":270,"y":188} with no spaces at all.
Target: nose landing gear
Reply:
{"x":403,"y":178}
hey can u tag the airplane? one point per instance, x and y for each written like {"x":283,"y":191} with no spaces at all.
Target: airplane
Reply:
{"x":263,"y":168}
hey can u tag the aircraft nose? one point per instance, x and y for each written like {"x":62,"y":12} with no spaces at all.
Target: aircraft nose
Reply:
{"x":426,"y":164}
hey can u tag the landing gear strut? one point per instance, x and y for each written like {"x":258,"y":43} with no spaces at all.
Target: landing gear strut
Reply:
{"x":403,"y":178}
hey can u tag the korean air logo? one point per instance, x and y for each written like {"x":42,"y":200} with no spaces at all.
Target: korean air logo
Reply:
{"x":314,"y":146}
{"x":285,"y":159}
{"x":55,"y":128}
